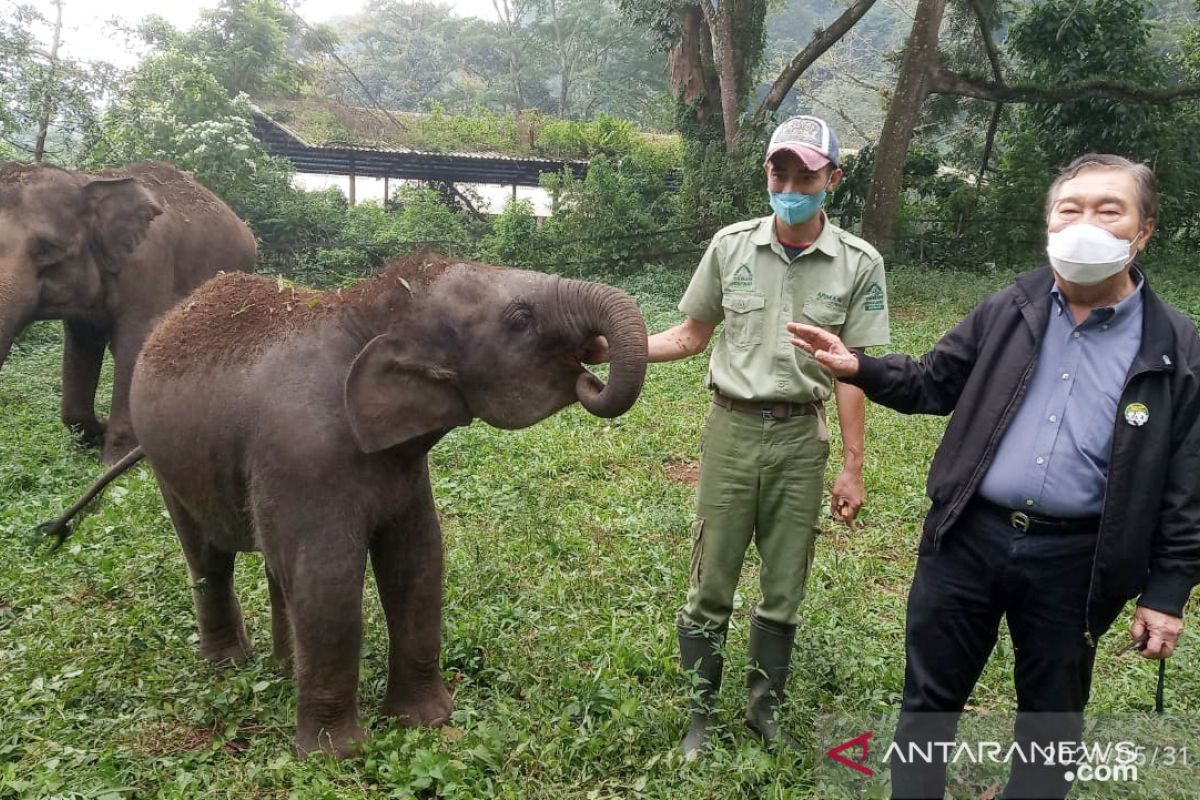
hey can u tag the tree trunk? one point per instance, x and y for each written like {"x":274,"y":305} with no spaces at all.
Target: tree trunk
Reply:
{"x":39,"y":149}
{"x":727,"y":67}
{"x":692,"y":68}
{"x":912,"y":87}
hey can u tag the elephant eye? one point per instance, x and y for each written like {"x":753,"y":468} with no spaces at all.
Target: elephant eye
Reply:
{"x":45,"y":252}
{"x":518,"y":316}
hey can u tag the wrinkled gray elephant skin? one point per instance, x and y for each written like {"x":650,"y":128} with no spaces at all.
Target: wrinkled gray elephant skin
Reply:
{"x":108,"y":254}
{"x":297,"y":423}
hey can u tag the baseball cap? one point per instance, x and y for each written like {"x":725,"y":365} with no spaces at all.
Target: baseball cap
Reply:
{"x":810,"y":138}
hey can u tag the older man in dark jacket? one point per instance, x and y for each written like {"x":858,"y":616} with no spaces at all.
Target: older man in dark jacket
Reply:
{"x":1068,"y":480}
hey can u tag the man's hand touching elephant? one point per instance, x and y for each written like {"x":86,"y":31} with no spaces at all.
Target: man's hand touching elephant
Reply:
{"x":829,"y":351}
{"x":597,"y":351}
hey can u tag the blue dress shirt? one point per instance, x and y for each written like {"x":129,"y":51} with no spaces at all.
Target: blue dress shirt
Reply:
{"x":1053,"y":459}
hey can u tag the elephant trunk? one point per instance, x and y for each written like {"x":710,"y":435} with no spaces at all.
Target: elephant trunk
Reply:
{"x":13,"y":316}
{"x":598,"y":310}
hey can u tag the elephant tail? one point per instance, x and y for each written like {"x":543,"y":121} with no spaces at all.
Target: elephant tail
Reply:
{"x":60,"y":528}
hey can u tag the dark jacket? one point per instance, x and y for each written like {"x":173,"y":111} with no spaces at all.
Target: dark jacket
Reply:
{"x":1149,"y":539}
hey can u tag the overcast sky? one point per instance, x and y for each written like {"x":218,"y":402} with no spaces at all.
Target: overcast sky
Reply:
{"x":87,"y":37}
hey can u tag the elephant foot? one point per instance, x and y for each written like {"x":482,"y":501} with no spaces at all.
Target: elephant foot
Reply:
{"x":88,"y":430}
{"x":283,"y":660}
{"x":339,"y":741}
{"x":117,"y":445}
{"x":432,"y":708}
{"x":235,"y":649}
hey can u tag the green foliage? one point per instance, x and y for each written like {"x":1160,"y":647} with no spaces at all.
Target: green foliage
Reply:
{"x":423,"y":217}
{"x":604,"y":135}
{"x":613,"y":215}
{"x":720,"y":187}
{"x":294,"y":219}
{"x":175,"y":110}
{"x":566,"y":558}
{"x":34,"y":87}
{"x":251,"y":46}
{"x":514,"y":238}
{"x":1062,"y":41}
{"x":477,"y":129}
{"x":322,"y":240}
{"x":574,"y":58}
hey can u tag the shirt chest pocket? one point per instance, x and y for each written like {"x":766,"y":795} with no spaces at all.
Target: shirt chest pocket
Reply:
{"x":745,"y":316}
{"x":823,"y":315}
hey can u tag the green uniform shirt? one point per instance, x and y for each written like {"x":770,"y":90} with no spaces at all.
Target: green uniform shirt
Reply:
{"x":745,"y":280}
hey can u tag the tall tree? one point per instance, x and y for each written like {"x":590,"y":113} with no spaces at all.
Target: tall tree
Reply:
{"x":48,"y":102}
{"x":252,"y":46}
{"x":912,"y":87}
{"x":715,"y":51}
{"x":514,"y":16}
{"x":404,"y":53}
{"x":48,"y":98}
{"x":1078,"y":55}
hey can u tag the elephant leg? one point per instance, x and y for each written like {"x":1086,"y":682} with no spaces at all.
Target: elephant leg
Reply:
{"x":281,"y":624}
{"x":407,"y":559}
{"x":218,"y":613}
{"x":83,"y":355}
{"x":126,"y":344}
{"x":319,"y":561}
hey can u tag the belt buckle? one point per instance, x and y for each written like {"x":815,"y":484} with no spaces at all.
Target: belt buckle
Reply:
{"x":1020,"y":520}
{"x":776,"y":410}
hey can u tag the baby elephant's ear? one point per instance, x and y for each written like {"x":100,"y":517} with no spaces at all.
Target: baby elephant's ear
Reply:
{"x":392,"y":396}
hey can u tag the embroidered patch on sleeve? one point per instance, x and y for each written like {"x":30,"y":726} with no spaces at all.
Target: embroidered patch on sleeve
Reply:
{"x":874,"y":300}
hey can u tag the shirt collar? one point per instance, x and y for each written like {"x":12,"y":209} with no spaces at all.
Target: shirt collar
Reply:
{"x":1109,"y":314}
{"x":827,"y":242}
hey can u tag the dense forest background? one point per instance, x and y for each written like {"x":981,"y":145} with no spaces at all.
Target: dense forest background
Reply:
{"x":955,"y":114}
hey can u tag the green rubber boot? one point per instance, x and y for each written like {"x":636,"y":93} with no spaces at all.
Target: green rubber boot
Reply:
{"x":770,"y":654}
{"x":701,"y":651}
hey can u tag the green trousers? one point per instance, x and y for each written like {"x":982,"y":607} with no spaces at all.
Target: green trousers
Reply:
{"x":761,"y":479}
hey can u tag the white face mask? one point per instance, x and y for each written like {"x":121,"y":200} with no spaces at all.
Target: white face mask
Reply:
{"x":1088,"y":254}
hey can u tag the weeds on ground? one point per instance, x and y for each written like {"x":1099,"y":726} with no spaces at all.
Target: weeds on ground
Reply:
{"x":566,"y":560}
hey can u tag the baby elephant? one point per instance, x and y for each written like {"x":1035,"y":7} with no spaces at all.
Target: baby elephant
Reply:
{"x":298,"y":423}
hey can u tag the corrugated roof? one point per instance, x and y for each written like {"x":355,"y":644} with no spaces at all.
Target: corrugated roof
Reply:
{"x":401,"y":162}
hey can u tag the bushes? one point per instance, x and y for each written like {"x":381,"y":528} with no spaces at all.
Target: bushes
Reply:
{"x":613,"y":216}
{"x":514,"y":239}
{"x":319,"y":239}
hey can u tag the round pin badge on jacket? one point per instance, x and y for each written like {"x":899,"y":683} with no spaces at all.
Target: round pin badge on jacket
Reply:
{"x":1136,"y":414}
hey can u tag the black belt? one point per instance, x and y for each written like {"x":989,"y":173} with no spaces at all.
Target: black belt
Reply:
{"x":1031,"y":523}
{"x":764,"y":410}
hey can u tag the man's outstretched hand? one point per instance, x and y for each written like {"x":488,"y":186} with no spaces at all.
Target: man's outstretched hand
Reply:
{"x":833,"y":356}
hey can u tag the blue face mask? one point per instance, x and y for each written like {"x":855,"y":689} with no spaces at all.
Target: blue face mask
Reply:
{"x":794,"y":207}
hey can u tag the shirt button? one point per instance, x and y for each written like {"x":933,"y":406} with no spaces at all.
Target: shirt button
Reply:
{"x":1076,"y":334}
{"x":1053,"y":418}
{"x":1028,"y":502}
{"x":1066,"y":375}
{"x":1041,"y":460}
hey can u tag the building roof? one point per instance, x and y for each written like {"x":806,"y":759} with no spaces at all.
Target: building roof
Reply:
{"x":357,"y":156}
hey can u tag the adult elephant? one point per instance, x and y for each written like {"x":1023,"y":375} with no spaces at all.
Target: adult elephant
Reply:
{"x":298,"y":422}
{"x":107,"y":253}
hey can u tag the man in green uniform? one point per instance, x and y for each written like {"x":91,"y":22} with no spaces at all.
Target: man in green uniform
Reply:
{"x":765,"y":443}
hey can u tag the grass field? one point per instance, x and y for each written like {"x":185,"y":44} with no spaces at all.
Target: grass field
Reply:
{"x":567,"y":557}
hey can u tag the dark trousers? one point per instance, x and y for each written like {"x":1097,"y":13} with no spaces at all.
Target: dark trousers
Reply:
{"x":986,"y":569}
